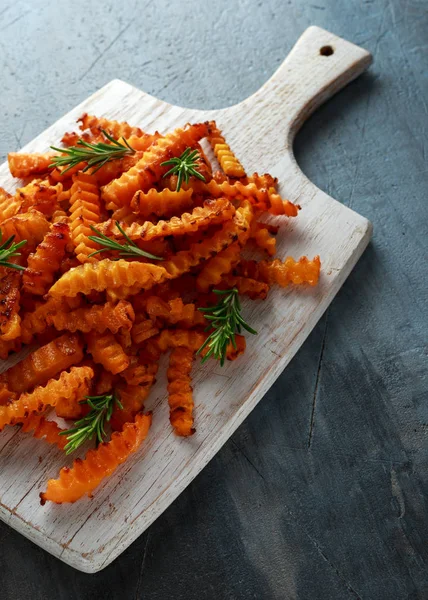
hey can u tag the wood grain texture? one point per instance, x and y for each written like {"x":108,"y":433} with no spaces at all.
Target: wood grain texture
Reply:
{"x":91,"y":533}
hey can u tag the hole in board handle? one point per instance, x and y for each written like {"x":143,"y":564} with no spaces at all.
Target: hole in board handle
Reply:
{"x":326,"y":51}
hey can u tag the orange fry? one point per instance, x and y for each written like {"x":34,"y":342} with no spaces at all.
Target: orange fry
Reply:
{"x":23,"y":165}
{"x":46,"y":261}
{"x":236,"y":230}
{"x":35,"y":322}
{"x":262,"y":237}
{"x":213,"y":212}
{"x":106,"y":351}
{"x":246,"y":286}
{"x":107,"y":274}
{"x":175,"y":312}
{"x":84,"y":212}
{"x":85,"y":475}
{"x":148,"y":169}
{"x":164,"y":203}
{"x":282,"y":272}
{"x":9,"y":205}
{"x":44,"y":363}
{"x":193,"y":340}
{"x":72,"y":384}
{"x":39,"y":195}
{"x":43,"y":429}
{"x":99,"y":318}
{"x":217,"y":266}
{"x":10,"y":321}
{"x":228,"y":161}
{"x":114,"y":128}
{"x":132,"y":398}
{"x":31,"y":226}
{"x":180,"y":393}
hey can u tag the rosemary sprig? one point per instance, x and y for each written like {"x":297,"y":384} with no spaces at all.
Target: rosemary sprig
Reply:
{"x":184,"y":166}
{"x":129,"y":249}
{"x":225,"y":320}
{"x":95,"y":155}
{"x":94,"y":422}
{"x":9,"y":250}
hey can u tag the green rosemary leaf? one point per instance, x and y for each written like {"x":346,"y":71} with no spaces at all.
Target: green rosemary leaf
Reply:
{"x":183,"y":166}
{"x":9,"y":250}
{"x":95,"y":155}
{"x":129,"y":249}
{"x":93,"y":424}
{"x":225,"y":321}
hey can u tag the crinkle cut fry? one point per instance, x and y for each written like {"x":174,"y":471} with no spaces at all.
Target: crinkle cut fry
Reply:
{"x":72,"y":408}
{"x":40,"y":195}
{"x":107,"y":274}
{"x":106,"y":351}
{"x":35,"y":322}
{"x":115,"y":128}
{"x":31,"y":226}
{"x":85,"y":211}
{"x":71,"y":138}
{"x":44,"y":363}
{"x":132,"y":398}
{"x":175,"y":312}
{"x":282,"y":272}
{"x":105,"y":382}
{"x":163,"y":203}
{"x":212,"y":213}
{"x":46,"y":261}
{"x":85,"y":475}
{"x":122,"y":292}
{"x":203,"y":165}
{"x":99,"y":318}
{"x":43,"y":429}
{"x":263,"y":198}
{"x":10,"y":320}
{"x":228,"y":161}
{"x":23,"y":164}
{"x":261,"y":235}
{"x":59,"y":216}
{"x":148,"y":169}
{"x":236,"y":230}
{"x":141,"y":143}
{"x":70,"y":385}
{"x":180,"y":392}
{"x":113,"y":169}
{"x":9,"y":205}
{"x":256,"y":290}
{"x":142,"y":370}
{"x":193,"y":340}
{"x":143,"y":329}
{"x":216,"y":267}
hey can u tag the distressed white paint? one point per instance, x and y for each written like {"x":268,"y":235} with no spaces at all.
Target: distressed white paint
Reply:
{"x":91,"y":533}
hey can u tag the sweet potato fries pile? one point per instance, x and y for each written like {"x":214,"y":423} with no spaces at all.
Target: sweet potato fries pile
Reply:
{"x":120,"y":246}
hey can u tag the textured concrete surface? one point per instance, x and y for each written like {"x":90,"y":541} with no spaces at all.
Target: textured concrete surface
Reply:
{"x":286,"y":510}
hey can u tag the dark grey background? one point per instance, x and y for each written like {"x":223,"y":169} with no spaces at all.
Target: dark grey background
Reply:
{"x":322,"y":492}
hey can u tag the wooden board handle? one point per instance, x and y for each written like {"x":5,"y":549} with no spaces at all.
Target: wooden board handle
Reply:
{"x":318,"y":66}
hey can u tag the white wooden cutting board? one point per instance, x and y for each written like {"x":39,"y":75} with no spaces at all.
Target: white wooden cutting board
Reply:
{"x":91,"y":533}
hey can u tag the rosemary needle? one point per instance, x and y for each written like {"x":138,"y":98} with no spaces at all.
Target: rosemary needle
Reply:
{"x":9,"y":250}
{"x":225,"y":320}
{"x":94,"y":422}
{"x":184,"y":166}
{"x":95,"y":155}
{"x":129,"y":249}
